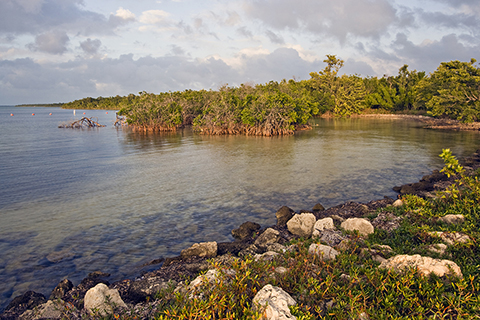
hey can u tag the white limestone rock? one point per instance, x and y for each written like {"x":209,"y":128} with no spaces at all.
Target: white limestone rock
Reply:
{"x":102,"y":299}
{"x":439,"y":248}
{"x":322,"y":224}
{"x":397,"y":203}
{"x":273,"y":303}
{"x":363,"y":226}
{"x":452,"y":219}
{"x":202,"y":249}
{"x":424,"y":265}
{"x":450,"y":238}
{"x":267,"y":256}
{"x":323,"y":252}
{"x":302,"y":224}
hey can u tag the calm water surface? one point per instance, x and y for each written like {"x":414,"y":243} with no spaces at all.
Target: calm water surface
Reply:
{"x":77,"y":201}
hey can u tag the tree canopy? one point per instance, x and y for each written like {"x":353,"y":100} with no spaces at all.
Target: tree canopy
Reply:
{"x":453,"y":90}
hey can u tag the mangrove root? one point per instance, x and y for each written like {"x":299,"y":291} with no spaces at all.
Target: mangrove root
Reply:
{"x":82,"y":123}
{"x":120,"y":121}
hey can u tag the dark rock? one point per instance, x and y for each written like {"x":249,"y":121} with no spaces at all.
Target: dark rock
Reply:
{"x":427,"y":184}
{"x":98,"y":274}
{"x":154,"y":261}
{"x":179,"y":268}
{"x":269,"y":236}
{"x":246,"y":230}
{"x":141,"y":290}
{"x":346,"y":210}
{"x":318,"y":207}
{"x":331,"y":237}
{"x":231,"y":247}
{"x":283,"y":215}
{"x":251,"y":250}
{"x":20,"y":304}
{"x":76,"y":294}
{"x":386,"y":221}
{"x":61,"y":289}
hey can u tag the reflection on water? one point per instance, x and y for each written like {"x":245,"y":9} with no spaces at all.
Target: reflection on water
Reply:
{"x":76,"y":201}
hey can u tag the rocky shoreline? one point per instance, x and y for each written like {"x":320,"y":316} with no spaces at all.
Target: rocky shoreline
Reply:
{"x":251,"y":240}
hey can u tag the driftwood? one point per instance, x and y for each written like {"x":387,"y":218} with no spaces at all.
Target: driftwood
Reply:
{"x":82,"y":123}
{"x":120,"y":121}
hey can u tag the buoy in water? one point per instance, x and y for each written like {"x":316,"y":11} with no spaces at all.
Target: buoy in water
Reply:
{"x":33,"y":114}
{"x":84,"y":113}
{"x":11,"y":114}
{"x":106,"y":112}
{"x":50,"y":114}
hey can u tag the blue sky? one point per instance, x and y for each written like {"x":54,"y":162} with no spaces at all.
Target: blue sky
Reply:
{"x":62,"y":50}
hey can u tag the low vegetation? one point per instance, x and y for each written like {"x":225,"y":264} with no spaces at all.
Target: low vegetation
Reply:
{"x":277,"y":108}
{"x":352,"y":286}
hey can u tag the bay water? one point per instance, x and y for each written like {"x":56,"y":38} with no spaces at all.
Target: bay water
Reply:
{"x":74,"y":201}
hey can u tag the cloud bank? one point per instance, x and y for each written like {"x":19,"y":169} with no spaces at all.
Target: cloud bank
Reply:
{"x":61,"y":50}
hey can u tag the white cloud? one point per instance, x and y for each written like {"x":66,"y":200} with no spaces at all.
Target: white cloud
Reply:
{"x":340,"y":18}
{"x":155,"y":17}
{"x":125,"y":14}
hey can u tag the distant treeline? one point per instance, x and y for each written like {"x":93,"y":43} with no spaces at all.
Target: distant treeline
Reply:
{"x":58,"y":105}
{"x":453,"y":90}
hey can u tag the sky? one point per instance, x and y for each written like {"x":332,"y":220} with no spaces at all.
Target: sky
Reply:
{"x":62,"y":50}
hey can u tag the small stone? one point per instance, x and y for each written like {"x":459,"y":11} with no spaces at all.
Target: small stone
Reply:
{"x":323,"y":252}
{"x":322,"y":224}
{"x":281,"y":270}
{"x":203,"y":250}
{"x":245,"y":230}
{"x":424,"y":265}
{"x":386,"y":221}
{"x":337,"y":218}
{"x":268,"y":237}
{"x":452,"y":219}
{"x":102,"y":299}
{"x":283,"y":215}
{"x":363,"y":209}
{"x":397,"y":203}
{"x":363,"y":226}
{"x":302,"y":224}
{"x":439,"y":248}
{"x":273,"y":303}
{"x":49,"y":310}
{"x":451,"y":238}
{"x":61,"y":289}
{"x":331,"y":237}
{"x":318,"y":207}
{"x":267,"y":256}
{"x":276,"y":247}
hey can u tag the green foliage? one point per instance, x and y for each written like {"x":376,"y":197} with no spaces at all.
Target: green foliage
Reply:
{"x":342,"y":95}
{"x":452,"y":90}
{"x":276,"y":108}
{"x":393,"y":93}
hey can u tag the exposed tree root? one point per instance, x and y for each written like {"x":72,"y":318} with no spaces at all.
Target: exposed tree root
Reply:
{"x":82,"y":123}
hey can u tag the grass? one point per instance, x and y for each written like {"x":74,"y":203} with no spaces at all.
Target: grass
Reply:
{"x":351,"y":286}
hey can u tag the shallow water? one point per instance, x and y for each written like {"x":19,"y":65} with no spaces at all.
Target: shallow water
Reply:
{"x":75,"y":201}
